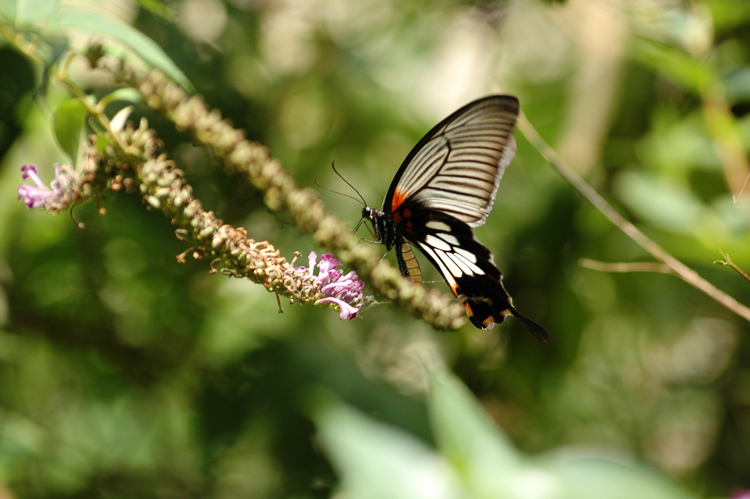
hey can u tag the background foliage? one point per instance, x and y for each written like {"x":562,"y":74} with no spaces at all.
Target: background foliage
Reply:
{"x":126,"y":374}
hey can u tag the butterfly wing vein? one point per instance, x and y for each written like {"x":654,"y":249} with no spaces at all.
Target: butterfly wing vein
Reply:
{"x":457,"y":167}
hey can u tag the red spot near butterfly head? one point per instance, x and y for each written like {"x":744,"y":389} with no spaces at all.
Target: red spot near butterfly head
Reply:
{"x":407,"y":212}
{"x":399,"y":196}
{"x":397,"y":218}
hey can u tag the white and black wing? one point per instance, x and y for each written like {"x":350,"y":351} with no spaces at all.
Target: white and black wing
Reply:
{"x":456,"y":168}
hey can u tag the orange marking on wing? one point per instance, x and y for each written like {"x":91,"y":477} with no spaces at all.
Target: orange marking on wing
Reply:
{"x":490,"y":320}
{"x":469,"y":311}
{"x":399,"y":196}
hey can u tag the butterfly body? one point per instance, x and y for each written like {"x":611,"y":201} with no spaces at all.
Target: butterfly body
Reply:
{"x":444,"y":187}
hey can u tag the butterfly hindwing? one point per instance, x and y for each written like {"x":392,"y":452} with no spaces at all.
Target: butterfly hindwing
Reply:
{"x":467,"y":266}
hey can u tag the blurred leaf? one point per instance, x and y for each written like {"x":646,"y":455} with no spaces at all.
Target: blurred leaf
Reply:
{"x":139,"y":43}
{"x":672,"y":62}
{"x":377,"y":461}
{"x":127,"y":94}
{"x":158,"y":8}
{"x":663,"y":204}
{"x":469,"y":439}
{"x":728,"y":14}
{"x":68,"y":121}
{"x":737,"y":84}
{"x":21,"y":12}
{"x":678,"y":143}
{"x":586,"y":477}
{"x":8,"y":10}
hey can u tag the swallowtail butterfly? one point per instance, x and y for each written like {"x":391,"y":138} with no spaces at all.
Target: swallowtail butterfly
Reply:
{"x":444,"y":187}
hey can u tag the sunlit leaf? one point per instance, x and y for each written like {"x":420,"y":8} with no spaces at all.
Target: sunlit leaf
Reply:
{"x":98,"y":24}
{"x":68,"y":121}
{"x":158,"y":8}
{"x":23,"y":12}
{"x":8,"y":10}
{"x":666,"y":205}
{"x":593,"y":477}
{"x":127,"y":94}
{"x":469,"y":439}
{"x":376,"y":461}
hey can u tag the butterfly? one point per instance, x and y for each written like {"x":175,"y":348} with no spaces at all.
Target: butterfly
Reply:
{"x":444,"y":187}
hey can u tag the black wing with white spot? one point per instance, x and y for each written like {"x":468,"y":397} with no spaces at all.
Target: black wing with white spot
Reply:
{"x":467,"y":266}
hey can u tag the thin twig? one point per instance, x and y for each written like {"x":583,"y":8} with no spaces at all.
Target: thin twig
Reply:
{"x":728,"y":261}
{"x":680,"y":269}
{"x":625,"y":267}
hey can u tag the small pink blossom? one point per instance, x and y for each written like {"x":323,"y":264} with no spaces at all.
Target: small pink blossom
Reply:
{"x":52,"y":198}
{"x":343,"y":292}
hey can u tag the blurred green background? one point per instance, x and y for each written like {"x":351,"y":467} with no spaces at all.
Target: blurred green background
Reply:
{"x":126,"y":374}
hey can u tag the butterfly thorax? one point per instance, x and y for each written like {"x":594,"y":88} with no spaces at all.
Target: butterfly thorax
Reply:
{"x":383,"y":225}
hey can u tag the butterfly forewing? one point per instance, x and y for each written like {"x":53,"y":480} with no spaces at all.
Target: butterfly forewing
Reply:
{"x":456,"y":168}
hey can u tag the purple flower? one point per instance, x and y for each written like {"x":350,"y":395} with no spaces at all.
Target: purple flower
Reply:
{"x":740,"y":494}
{"x":41,"y":196}
{"x":343,"y":292}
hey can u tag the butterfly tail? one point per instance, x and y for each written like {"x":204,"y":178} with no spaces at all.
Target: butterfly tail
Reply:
{"x":487,"y":303}
{"x":535,"y":329}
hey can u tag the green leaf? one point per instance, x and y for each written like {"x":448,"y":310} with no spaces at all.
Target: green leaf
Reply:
{"x":68,"y":121}
{"x":728,"y":14}
{"x":21,"y":12}
{"x":670,"y":206}
{"x":469,"y":439}
{"x":158,"y":8}
{"x":672,"y":62}
{"x":125,"y":94}
{"x":8,"y":10}
{"x":376,"y":461}
{"x":593,"y":477}
{"x":139,"y":43}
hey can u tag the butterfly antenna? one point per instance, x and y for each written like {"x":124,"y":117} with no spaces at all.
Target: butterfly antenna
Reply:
{"x":336,"y":192}
{"x":364,"y":203}
{"x":359,"y":224}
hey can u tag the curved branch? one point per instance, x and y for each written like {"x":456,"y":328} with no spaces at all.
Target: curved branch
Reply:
{"x":253,"y":161}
